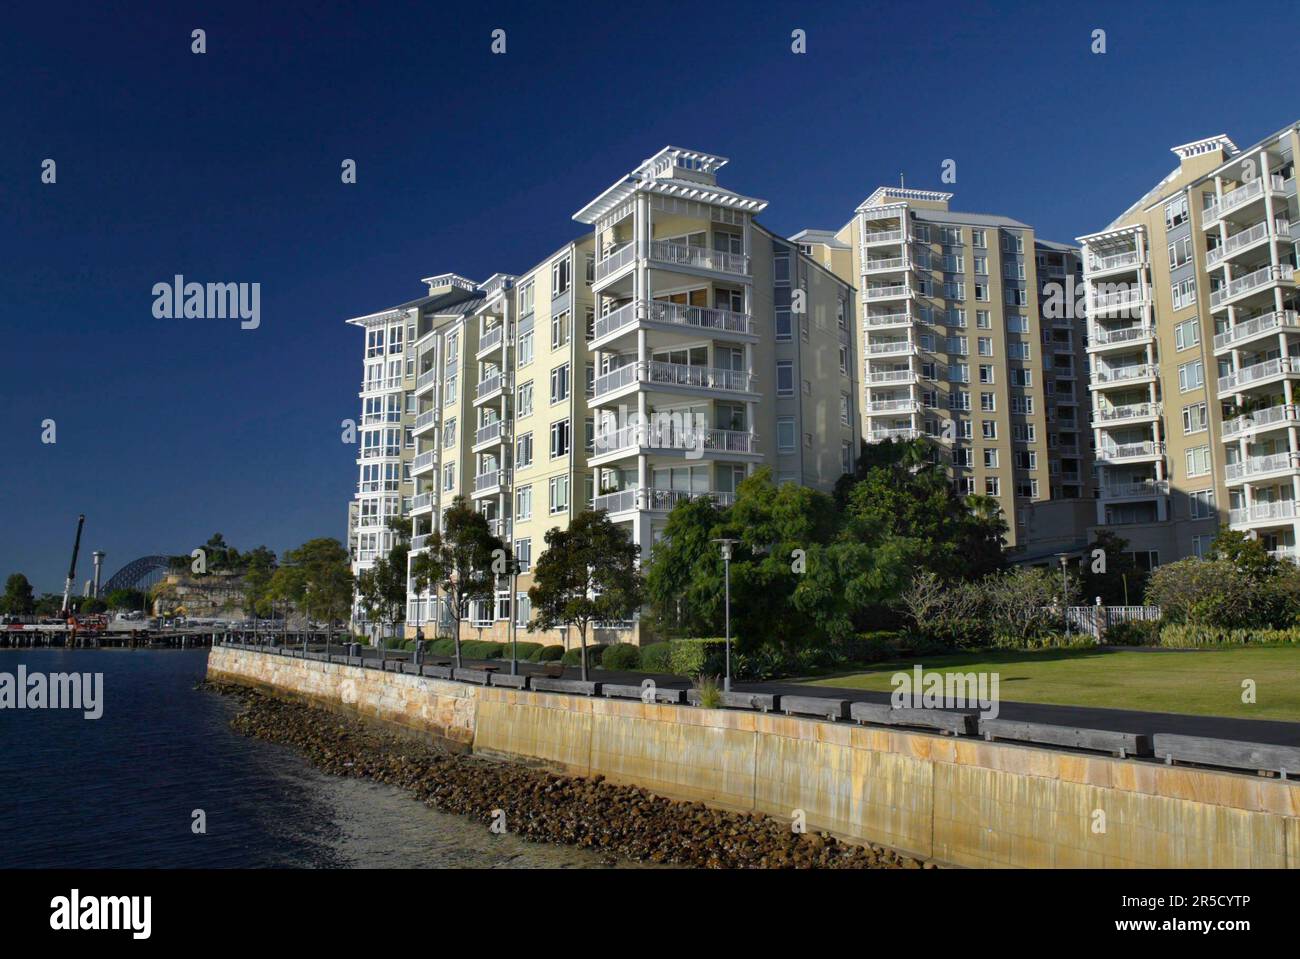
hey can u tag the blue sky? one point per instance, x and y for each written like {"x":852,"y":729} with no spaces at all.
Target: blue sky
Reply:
{"x":225,"y":167}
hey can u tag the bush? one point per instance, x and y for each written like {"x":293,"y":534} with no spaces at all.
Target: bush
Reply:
{"x":710,"y":692}
{"x":621,"y":656}
{"x":548,"y":654}
{"x":1187,"y":636}
{"x":573,"y":657}
{"x":481,"y":649}
{"x":443,"y":647}
{"x":691,"y":657}
{"x":1044,"y":641}
{"x":1135,"y":633}
{"x":522,"y":650}
{"x":655,"y":658}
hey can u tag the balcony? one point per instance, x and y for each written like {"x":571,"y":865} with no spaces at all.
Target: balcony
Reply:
{"x":671,"y":316}
{"x":893,"y":291}
{"x":698,"y":258}
{"x":657,"y":500}
{"x":890,"y":377}
{"x":1104,"y":378}
{"x":1147,"y":489}
{"x":1130,"y":452}
{"x":424,"y":462}
{"x":897,"y":433}
{"x":1253,"y":329}
{"x":491,"y":340}
{"x":1240,"y":197}
{"x":1256,"y":466}
{"x":893,"y":406}
{"x":380,"y":383}
{"x":1130,"y":413}
{"x":426,"y":380}
{"x":489,"y":433}
{"x":490,"y":482}
{"x":1245,"y":240}
{"x":885,"y":321}
{"x":1119,"y":301}
{"x":1263,"y":514}
{"x":658,"y":374}
{"x":1256,"y":282}
{"x":614,"y":261}
{"x":890,"y":348}
{"x":638,"y":438}
{"x":1259,"y":373}
{"x":1116,"y":263}
{"x":893,"y":264}
{"x":882,"y":236}
{"x":1250,"y":424}
{"x":421,"y":503}
{"x":1290,"y":554}
{"x":490,"y":387}
{"x":420,"y":542}
{"x":1102,"y":339}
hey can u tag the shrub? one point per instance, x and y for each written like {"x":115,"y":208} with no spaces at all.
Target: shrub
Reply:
{"x":1135,"y":633}
{"x":481,"y":649}
{"x":710,"y":692}
{"x":1187,"y":635}
{"x":691,"y":657}
{"x":655,"y":658}
{"x":621,"y":656}
{"x":524,"y":651}
{"x":573,"y":657}
{"x":549,"y":654}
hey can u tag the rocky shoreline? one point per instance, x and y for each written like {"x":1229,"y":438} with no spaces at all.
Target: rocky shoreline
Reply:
{"x":622,"y":822}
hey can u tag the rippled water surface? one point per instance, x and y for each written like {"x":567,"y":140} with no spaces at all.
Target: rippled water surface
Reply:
{"x":120,"y":791}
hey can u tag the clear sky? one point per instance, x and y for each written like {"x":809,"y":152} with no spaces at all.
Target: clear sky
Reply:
{"x":225,"y":167}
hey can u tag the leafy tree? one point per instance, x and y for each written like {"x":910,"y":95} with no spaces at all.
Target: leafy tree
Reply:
{"x":261,"y":567}
{"x":1245,"y":554}
{"x":317,"y":579}
{"x":50,"y":604}
{"x":587,"y":574}
{"x":460,"y":562}
{"x":131,"y":599}
{"x":1111,"y":574}
{"x":18,"y":599}
{"x":381,"y":590}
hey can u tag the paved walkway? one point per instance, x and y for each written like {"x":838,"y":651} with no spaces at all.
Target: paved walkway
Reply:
{"x":1273,"y":732}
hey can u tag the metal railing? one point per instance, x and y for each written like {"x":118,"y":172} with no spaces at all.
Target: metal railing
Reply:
{"x":1245,"y":330}
{"x":1259,"y":371}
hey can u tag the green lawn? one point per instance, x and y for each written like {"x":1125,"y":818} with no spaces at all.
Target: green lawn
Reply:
{"x":1204,"y":682}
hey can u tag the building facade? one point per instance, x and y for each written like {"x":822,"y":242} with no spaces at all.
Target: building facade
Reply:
{"x":1192,"y":305}
{"x":956,"y":345}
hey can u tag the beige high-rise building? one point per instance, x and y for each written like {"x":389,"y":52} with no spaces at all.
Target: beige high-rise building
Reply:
{"x":1193,"y":326}
{"x":955,"y":345}
{"x":665,"y":355}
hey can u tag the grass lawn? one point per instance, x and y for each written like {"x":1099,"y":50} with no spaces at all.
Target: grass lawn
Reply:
{"x":1203,"y":682}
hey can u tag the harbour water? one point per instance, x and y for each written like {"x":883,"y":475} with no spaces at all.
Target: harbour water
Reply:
{"x":123,"y":790}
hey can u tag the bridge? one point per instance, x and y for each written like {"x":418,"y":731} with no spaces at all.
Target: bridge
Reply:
{"x":142,"y":574}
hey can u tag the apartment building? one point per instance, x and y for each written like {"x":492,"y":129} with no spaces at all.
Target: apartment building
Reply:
{"x":956,"y":345}
{"x":1191,"y":301}
{"x":666,"y":354}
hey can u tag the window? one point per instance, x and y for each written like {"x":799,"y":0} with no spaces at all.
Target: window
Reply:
{"x":560,"y":383}
{"x":785,"y":434}
{"x":527,"y":295}
{"x":1018,"y":351}
{"x":524,"y":553}
{"x":846,"y":457}
{"x":449,"y":476}
{"x":1180,"y":252}
{"x":986,"y":373}
{"x":523,"y":503}
{"x":844,"y":359}
{"x":957,"y":345}
{"x":957,"y":317}
{"x":559,"y":439}
{"x":1022,"y":378}
{"x":959,"y":400}
{"x":1198,"y":461}
{"x":561,"y":329}
{"x":982,"y":265}
{"x":524,"y":450}
{"x":1016,"y":323}
{"x":523,"y":605}
{"x":1183,"y":294}
{"x":784,"y":331}
{"x":589,"y":326}
{"x":985,"y":345}
{"x":449,"y":433}
{"x":1187,"y":334}
{"x":979,"y":239}
{"x":1013,"y":243}
{"x":524,"y":402}
{"x":1191,"y":375}
{"x":559,"y":492}
{"x":785,"y":378}
{"x":589,"y":434}
{"x":988,"y":402}
{"x":1194,"y":418}
{"x":1176,"y":212}
{"x":992,"y":486}
{"x":524,"y":351}
{"x":1202,"y":503}
{"x":845,"y":414}
{"x":561,"y":272}
{"x":989,"y":429}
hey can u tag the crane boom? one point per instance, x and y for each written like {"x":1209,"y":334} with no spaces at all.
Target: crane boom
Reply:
{"x":72,"y":569}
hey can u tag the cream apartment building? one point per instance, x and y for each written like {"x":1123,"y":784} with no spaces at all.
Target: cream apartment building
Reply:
{"x":955,"y":345}
{"x":666,"y":354}
{"x":1191,"y":301}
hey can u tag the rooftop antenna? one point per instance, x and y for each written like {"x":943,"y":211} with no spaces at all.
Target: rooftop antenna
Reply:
{"x":901,"y":184}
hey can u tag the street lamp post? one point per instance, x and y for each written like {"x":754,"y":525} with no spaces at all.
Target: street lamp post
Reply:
{"x":514,"y":615}
{"x":1065,"y":591}
{"x":726,"y":545}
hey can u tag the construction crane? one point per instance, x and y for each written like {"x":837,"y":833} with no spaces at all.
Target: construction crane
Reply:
{"x":72,"y":570}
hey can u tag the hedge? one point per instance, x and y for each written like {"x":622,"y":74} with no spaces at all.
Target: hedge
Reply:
{"x":523,"y":651}
{"x":692,"y":657}
{"x":1134,"y":633}
{"x":481,"y":649}
{"x":621,"y":656}
{"x":655,"y":657}
{"x":1184,"y":636}
{"x":573,"y":657}
{"x":548,"y":654}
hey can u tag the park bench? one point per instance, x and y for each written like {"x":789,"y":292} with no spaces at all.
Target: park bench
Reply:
{"x":659,"y":695}
{"x":947,"y":721}
{"x":814,"y":706}
{"x":577,"y":686}
{"x":1122,"y":745}
{"x":1261,"y":757}
{"x":760,"y":701}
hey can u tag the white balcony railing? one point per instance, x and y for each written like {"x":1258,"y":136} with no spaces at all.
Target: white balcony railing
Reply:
{"x":1124,"y":374}
{"x":1263,"y":513}
{"x":426,"y":378}
{"x":1245,"y":238}
{"x":1261,"y":419}
{"x":1249,"y":283}
{"x":1259,"y":371}
{"x":887,"y":292}
{"x":1115,"y":452}
{"x":897,"y":433}
{"x":1117,"y":301}
{"x":425,"y":419}
{"x":614,"y":261}
{"x":892,"y":376}
{"x":424,"y":460}
{"x":883,"y":236}
{"x":892,"y":264}
{"x":491,"y":339}
{"x":669,"y":437}
{"x":1117,"y":261}
{"x":1255,"y":465}
{"x":489,"y":480}
{"x":1129,"y":334}
{"x":1147,"y":488}
{"x":1127,"y":412}
{"x":1249,"y":329}
{"x":1241,"y":196}
{"x":888,"y":319}
{"x":488,"y":432}
{"x":893,"y":406}
{"x":699,"y":257}
{"x":889,"y":347}
{"x":489,"y":385}
{"x":703,"y":377}
{"x":421,"y":501}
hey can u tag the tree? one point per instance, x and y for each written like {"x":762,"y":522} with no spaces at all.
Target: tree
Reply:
{"x":461,"y":562}
{"x":381,"y":591}
{"x":18,"y":599}
{"x":257,"y":581}
{"x":587,"y":574}
{"x":316,"y":578}
{"x":1108,"y":570}
{"x":131,"y":599}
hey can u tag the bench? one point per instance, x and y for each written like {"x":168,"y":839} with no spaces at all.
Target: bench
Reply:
{"x":831,"y":709}
{"x":437,"y":672}
{"x":1229,"y":753}
{"x":760,"y":701}
{"x":478,"y":676}
{"x":1119,"y":744}
{"x":660,"y":694}
{"x":575,"y":686}
{"x":947,"y":721}
{"x":510,"y":682}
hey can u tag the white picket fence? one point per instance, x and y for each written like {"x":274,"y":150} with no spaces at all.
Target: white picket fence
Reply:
{"x":1096,"y":619}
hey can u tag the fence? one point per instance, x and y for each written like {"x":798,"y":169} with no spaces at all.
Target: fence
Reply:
{"x":1097,"y":619}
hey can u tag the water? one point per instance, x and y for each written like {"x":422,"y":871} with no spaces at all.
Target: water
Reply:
{"x":120,"y":791}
